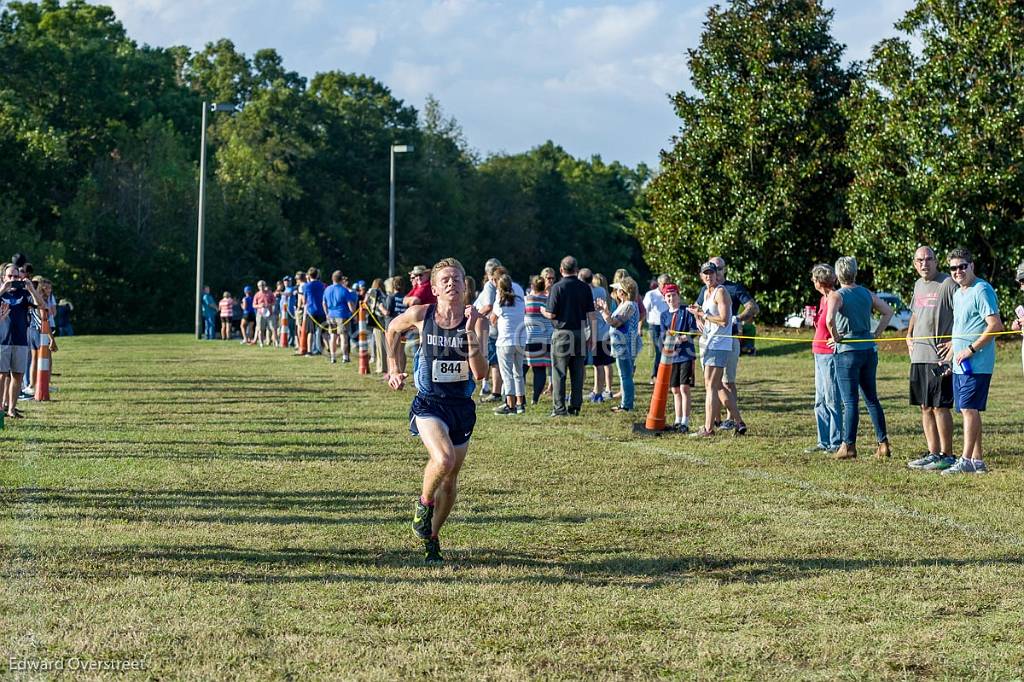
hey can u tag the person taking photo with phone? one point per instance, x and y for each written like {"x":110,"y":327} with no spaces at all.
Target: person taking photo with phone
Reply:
{"x":18,"y":295}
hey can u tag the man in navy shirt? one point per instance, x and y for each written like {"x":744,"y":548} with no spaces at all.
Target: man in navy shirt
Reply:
{"x":17,"y":296}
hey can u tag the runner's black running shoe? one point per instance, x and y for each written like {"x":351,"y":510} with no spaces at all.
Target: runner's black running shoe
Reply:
{"x":432,"y":553}
{"x":421,"y":520}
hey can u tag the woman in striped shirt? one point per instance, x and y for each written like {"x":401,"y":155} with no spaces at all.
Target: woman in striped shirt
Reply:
{"x":538,"y":335}
{"x":227,"y":307}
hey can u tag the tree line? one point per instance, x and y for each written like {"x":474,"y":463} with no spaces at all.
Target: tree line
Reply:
{"x":100,"y":144}
{"x":784,"y":157}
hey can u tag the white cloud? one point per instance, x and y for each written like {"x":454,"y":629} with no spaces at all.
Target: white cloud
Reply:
{"x":609,"y":28}
{"x":360,"y":40}
{"x":410,"y":80}
{"x":592,"y":75}
{"x":441,"y":15}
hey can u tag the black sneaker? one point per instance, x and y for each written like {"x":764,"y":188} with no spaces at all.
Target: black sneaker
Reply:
{"x":504,"y":410}
{"x":432,"y":551}
{"x":421,"y":520}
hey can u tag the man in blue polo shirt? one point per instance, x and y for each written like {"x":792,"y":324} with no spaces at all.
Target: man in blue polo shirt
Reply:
{"x":313,"y":294}
{"x":341,"y":302}
{"x":973,"y":352}
{"x":17,"y":296}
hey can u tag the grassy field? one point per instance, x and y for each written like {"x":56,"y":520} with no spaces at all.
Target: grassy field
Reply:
{"x":217,"y":511}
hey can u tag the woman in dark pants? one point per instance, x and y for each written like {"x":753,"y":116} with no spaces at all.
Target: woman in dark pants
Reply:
{"x":856,"y":355}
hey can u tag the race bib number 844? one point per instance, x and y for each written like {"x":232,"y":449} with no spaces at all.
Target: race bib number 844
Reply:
{"x":449,"y":371}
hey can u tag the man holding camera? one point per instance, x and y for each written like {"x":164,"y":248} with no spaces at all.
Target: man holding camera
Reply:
{"x":931,"y":381}
{"x":17,"y":296}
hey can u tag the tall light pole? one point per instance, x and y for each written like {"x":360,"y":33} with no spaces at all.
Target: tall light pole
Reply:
{"x":201,"y":236}
{"x":395,"y":149}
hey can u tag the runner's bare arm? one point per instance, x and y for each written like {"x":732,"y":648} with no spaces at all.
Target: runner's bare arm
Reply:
{"x":477,"y":330}
{"x":407,"y":321}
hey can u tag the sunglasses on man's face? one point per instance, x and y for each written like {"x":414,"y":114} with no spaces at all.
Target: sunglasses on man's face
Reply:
{"x":959,"y":267}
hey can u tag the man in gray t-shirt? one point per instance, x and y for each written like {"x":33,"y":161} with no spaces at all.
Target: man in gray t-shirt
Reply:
{"x":931,"y":382}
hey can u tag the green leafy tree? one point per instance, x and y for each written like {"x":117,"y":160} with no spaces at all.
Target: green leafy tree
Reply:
{"x":538,"y":206}
{"x":755,"y":173}
{"x":346,"y":180}
{"x":936,"y":143}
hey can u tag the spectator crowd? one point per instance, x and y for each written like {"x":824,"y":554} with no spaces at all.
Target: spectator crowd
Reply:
{"x":559,"y":325}
{"x":28,"y":308}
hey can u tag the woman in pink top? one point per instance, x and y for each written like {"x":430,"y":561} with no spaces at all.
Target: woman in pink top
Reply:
{"x":226,"y":306}
{"x":827,"y":404}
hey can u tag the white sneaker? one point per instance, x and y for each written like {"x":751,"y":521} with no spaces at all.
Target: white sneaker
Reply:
{"x":965,"y":466}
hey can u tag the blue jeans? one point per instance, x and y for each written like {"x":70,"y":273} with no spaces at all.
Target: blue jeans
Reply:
{"x":626,"y":366}
{"x":209,"y":326}
{"x":857,"y":369}
{"x":827,"y":403}
{"x":657,"y":338}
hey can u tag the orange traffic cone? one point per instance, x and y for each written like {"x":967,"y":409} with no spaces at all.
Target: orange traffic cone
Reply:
{"x":283,"y":336}
{"x":659,"y":398}
{"x":42,"y":383}
{"x":303,"y":335}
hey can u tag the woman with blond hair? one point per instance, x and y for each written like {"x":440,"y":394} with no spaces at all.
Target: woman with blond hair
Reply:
{"x":715,"y":316}
{"x":508,"y":315}
{"x":624,"y":336}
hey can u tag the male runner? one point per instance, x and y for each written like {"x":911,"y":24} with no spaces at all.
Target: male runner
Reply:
{"x":448,"y":360}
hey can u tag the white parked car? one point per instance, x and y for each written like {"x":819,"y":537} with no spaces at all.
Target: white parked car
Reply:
{"x":801,"y":319}
{"x":900,"y":314}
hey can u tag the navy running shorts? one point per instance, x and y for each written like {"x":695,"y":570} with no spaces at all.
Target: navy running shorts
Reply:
{"x":458,"y":416}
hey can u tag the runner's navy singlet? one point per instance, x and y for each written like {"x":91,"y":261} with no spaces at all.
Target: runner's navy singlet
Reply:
{"x":442,"y":369}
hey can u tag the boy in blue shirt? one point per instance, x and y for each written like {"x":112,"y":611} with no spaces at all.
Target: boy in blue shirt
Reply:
{"x":677,"y":351}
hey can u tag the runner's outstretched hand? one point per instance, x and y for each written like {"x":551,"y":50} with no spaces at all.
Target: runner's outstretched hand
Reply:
{"x":397,"y":381}
{"x":476,"y":321}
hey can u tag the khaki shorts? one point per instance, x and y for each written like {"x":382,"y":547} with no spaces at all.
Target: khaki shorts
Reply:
{"x":264,"y":324}
{"x":733,"y":361}
{"x":14,"y":359}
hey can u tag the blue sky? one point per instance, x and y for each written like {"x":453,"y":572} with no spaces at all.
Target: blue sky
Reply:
{"x":592,"y":76}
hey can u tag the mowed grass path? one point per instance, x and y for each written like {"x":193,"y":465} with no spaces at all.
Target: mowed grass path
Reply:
{"x":225,"y":512}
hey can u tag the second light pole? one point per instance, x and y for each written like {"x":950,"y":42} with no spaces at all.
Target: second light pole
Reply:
{"x":395,"y":149}
{"x":201,"y":236}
